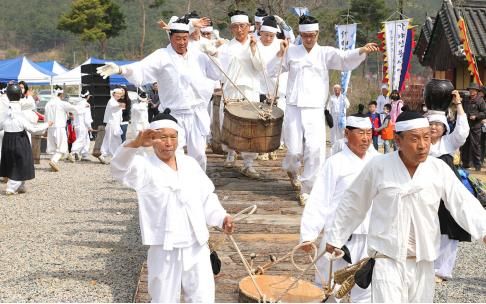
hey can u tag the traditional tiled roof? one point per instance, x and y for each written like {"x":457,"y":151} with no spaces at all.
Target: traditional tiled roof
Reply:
{"x":443,"y":47}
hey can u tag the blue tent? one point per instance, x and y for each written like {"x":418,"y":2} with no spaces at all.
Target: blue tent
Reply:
{"x":21,"y":68}
{"x":52,"y":66}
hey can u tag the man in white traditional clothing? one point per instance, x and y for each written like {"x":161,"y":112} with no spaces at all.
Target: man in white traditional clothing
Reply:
{"x":337,"y":106}
{"x":267,"y":47}
{"x":383,"y":99}
{"x":56,"y":111}
{"x":139,"y":118}
{"x":307,"y":90}
{"x":113,"y":132}
{"x":404,"y":235}
{"x":338,"y":172}
{"x":176,"y":203}
{"x":242,"y":64}
{"x":185,"y":77}
{"x":82,"y":126}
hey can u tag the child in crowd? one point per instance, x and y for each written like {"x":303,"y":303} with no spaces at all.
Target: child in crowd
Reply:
{"x":375,"y":122}
{"x":386,"y":129}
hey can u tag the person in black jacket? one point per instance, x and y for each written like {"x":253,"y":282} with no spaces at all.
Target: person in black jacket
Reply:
{"x":475,"y":109}
{"x":126,"y":112}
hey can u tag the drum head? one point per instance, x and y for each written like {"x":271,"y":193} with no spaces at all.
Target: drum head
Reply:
{"x":273,"y":286}
{"x":246,"y":110}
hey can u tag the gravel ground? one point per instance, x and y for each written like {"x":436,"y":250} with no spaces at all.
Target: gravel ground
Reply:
{"x":73,"y":237}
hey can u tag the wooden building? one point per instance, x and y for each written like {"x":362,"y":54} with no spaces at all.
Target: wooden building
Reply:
{"x":439,"y":46}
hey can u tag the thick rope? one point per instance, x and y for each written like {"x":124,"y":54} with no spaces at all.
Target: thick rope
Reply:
{"x":333,"y":257}
{"x":261,"y":114}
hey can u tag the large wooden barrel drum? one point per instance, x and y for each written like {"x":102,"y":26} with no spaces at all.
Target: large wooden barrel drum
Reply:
{"x":244,"y":131}
{"x":216,"y":144}
{"x":273,"y":286}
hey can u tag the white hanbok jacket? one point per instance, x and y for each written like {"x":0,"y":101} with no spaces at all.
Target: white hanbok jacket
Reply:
{"x":165,"y":203}
{"x":56,"y":111}
{"x":308,"y":80}
{"x":184,"y":81}
{"x":400,"y":201}
{"x":335,"y":177}
{"x":243,"y":68}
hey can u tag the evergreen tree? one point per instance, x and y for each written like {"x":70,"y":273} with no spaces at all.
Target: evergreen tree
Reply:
{"x":93,"y":21}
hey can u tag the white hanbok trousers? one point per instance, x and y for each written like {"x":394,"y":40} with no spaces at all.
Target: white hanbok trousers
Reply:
{"x":444,"y":264}
{"x":167,"y":276}
{"x":112,"y":139}
{"x":1,"y":140}
{"x":57,"y":143}
{"x":395,"y":282}
{"x":82,"y":142}
{"x":336,"y":132}
{"x":305,"y":138}
{"x":358,"y":248}
{"x":195,"y":128}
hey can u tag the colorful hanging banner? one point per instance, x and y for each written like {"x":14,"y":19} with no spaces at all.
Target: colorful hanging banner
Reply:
{"x":471,"y":61}
{"x":397,"y":44}
{"x":346,"y":40}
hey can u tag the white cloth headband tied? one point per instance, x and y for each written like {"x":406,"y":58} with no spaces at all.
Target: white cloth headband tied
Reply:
{"x":314,"y":27}
{"x":411,"y":124}
{"x":176,"y":26}
{"x":358,"y":122}
{"x":240,"y":19}
{"x":266,"y":28}
{"x":164,"y":124}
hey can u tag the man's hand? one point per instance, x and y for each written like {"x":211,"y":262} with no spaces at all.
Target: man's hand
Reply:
{"x":472,"y":117}
{"x":202,"y":22}
{"x":369,"y":48}
{"x":253,"y":44}
{"x":108,"y":69}
{"x":307,"y":247}
{"x":228,"y":225}
{"x":145,"y":138}
{"x":163,"y":25}
{"x":456,"y":98}
{"x":284,"y":45}
{"x":330,"y":248}
{"x":50,"y":123}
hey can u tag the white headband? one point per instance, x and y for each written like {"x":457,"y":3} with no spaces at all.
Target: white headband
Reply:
{"x":266,"y":28}
{"x":384,"y":86}
{"x":240,"y":19}
{"x":164,"y":124}
{"x":207,"y":29}
{"x":58,"y":91}
{"x":86,"y":94}
{"x":440,"y":118}
{"x":358,"y":122}
{"x":411,"y":124}
{"x":259,"y":19}
{"x":176,"y":26}
{"x":118,"y":90}
{"x":314,"y":27}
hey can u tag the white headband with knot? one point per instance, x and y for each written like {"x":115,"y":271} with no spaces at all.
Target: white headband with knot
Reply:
{"x":176,"y":26}
{"x":164,"y":124}
{"x":259,"y":19}
{"x":266,"y":28}
{"x":58,"y":91}
{"x":358,"y":122}
{"x":411,"y":124}
{"x":207,"y":29}
{"x":314,"y":27}
{"x":240,"y":19}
